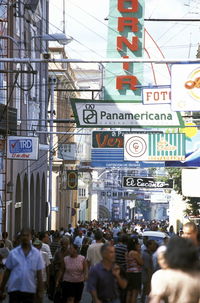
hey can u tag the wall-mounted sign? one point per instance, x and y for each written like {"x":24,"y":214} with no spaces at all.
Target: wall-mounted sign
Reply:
{"x":72,"y":180}
{"x":130,"y":182}
{"x":67,"y":151}
{"x":108,"y":139}
{"x":107,"y":150}
{"x":22,"y":148}
{"x":156,"y":96}
{"x":123,"y":114}
{"x":159,"y":198}
{"x":152,"y":147}
{"x":125,"y":40}
{"x":185,"y":87}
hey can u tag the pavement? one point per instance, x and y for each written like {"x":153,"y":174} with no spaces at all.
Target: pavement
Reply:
{"x":86,"y":298}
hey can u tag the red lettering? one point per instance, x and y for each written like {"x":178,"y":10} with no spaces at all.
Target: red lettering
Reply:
{"x":111,"y":142}
{"x":122,"y":81}
{"x":156,"y":96}
{"x":126,"y":64}
{"x":105,"y":139}
{"x":123,"y":41}
{"x":120,"y":142}
{"x":148,"y":95}
{"x":123,"y":22}
{"x":133,"y":6}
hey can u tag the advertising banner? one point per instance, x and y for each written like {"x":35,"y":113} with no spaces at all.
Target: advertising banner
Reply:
{"x":108,"y":150}
{"x":156,"y":96}
{"x":141,"y":147}
{"x":22,"y":148}
{"x":129,"y":181}
{"x":192,"y":149}
{"x":125,"y":40}
{"x":124,"y":114}
{"x":185,"y":87}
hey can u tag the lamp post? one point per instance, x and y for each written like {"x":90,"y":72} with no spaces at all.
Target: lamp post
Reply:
{"x":61,"y":38}
{"x":52,"y":81}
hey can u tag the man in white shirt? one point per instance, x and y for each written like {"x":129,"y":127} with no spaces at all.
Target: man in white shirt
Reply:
{"x":23,"y":272}
{"x":44,"y":237}
{"x":94,"y":255}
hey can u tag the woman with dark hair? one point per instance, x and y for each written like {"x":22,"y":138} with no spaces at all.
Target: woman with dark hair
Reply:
{"x":73,"y":275}
{"x":134,"y":264}
{"x":179,"y":282}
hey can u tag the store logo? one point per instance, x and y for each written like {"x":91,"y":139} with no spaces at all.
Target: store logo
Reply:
{"x":90,"y":114}
{"x":193,"y":84}
{"x":136,"y":146}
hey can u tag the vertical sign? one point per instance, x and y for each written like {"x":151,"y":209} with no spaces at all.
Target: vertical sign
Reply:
{"x":72,"y":180}
{"x":125,"y":37}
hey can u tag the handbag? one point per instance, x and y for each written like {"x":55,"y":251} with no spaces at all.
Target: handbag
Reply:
{"x":57,"y":298}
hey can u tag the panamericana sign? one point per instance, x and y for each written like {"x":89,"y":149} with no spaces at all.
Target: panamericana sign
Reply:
{"x":129,"y":181}
{"x":104,"y":113}
{"x":154,"y":147}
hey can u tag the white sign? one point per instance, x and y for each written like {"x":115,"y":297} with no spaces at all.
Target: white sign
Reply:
{"x":154,"y":147}
{"x":185,"y":87}
{"x":159,"y":198}
{"x":22,"y":148}
{"x":190,"y":182}
{"x":156,"y":96}
{"x":135,"y":147}
{"x":67,"y":151}
{"x":124,"y":114}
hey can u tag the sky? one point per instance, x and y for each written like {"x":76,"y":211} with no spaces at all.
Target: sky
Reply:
{"x":85,"y":23}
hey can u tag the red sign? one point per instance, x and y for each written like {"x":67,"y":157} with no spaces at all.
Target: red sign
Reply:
{"x":125,"y":23}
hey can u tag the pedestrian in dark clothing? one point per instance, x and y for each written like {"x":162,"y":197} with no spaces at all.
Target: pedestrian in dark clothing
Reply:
{"x":105,"y":278}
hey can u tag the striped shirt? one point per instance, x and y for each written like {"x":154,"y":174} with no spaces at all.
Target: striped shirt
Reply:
{"x":120,"y":252}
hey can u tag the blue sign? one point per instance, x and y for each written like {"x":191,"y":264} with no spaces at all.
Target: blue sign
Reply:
{"x":21,"y":146}
{"x":112,"y":157}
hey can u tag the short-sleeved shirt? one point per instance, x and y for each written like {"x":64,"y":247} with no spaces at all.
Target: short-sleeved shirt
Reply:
{"x":176,"y":286}
{"x":23,"y":269}
{"x":103,"y":282}
{"x":94,"y":253}
{"x":74,"y":269}
{"x":46,"y":248}
{"x":46,"y":263}
{"x":120,"y":253}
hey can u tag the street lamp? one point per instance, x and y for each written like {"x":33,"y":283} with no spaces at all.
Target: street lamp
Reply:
{"x":61,"y":38}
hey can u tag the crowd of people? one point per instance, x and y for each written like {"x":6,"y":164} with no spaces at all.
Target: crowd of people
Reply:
{"x":110,"y":262}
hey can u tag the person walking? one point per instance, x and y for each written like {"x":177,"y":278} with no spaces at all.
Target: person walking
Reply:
{"x":72,"y":274}
{"x":105,"y":278}
{"x":178,"y":282}
{"x":133,"y":270}
{"x":24,"y":267}
{"x":94,"y":250}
